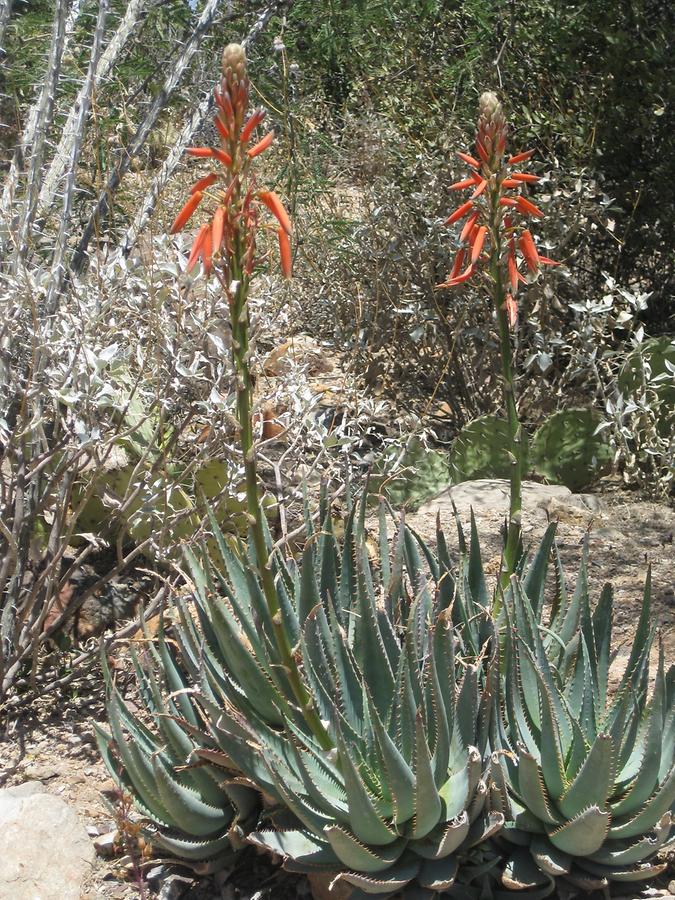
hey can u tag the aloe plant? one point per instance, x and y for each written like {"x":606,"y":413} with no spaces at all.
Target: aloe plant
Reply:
{"x":585,"y":777}
{"x":399,"y":797}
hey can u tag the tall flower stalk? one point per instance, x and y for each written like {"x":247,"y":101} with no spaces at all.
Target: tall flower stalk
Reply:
{"x":227,"y":248}
{"x":493,"y":243}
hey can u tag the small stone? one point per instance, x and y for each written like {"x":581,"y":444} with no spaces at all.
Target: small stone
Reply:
{"x":92,"y":831}
{"x":174,"y":887}
{"x":104,"y":844}
{"x":156,"y":873}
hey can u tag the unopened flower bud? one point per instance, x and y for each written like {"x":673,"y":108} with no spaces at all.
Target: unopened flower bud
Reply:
{"x":491,"y":136}
{"x":234,"y":62}
{"x":489,"y":107}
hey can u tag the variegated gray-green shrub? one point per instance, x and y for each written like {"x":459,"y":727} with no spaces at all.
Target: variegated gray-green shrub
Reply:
{"x":400,"y":796}
{"x":584,"y":774}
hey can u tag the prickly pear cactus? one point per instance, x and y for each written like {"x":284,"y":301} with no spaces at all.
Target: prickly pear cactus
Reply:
{"x":409,"y":481}
{"x":479,"y":450}
{"x":566,"y":450}
{"x":160,"y":497}
{"x":652,"y":364}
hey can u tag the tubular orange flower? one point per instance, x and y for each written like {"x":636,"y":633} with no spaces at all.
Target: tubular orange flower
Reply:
{"x":261,"y":146}
{"x":525,"y":206}
{"x":457,"y":265}
{"x":186,"y":212}
{"x":218,"y":229}
{"x":276,"y":207}
{"x":511,"y":308}
{"x":461,"y":185}
{"x":251,"y":125}
{"x":478,"y":242}
{"x":460,"y":212}
{"x":529,"y":250}
{"x":200,"y":151}
{"x":220,"y":125}
{"x":468,"y":227}
{"x":223,"y":157}
{"x":470,"y":160}
{"x":197,"y":245}
{"x":285,"y":253}
{"x":204,"y":182}
{"x":520,"y":157}
{"x":525,"y":176}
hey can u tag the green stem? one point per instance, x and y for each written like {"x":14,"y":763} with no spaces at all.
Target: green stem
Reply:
{"x":244,"y":392}
{"x":513,"y":535}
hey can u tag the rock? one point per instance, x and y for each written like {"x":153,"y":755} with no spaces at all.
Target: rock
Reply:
{"x":174,"y":887}
{"x":491,"y":495}
{"x":44,"y":849}
{"x":104,"y":844}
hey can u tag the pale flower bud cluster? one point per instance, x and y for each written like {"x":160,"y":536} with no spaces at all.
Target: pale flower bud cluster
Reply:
{"x":491,"y":136}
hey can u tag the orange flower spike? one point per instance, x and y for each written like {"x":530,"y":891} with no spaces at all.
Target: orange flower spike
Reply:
{"x":478,"y":242}
{"x":196,"y":251}
{"x":276,"y":207}
{"x":468,"y":227}
{"x":202,"y":152}
{"x":469,"y":160}
{"x":224,"y":102}
{"x":186,"y":212}
{"x":253,"y":122}
{"x":218,"y":229}
{"x":460,"y":212}
{"x":261,"y":146}
{"x":520,"y":157}
{"x":285,"y":253}
{"x":528,"y":208}
{"x":529,"y":250}
{"x":510,"y":183}
{"x":204,"y":183}
{"x":508,"y":201}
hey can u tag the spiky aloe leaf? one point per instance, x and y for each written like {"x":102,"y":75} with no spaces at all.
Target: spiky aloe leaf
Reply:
{"x":520,"y":872}
{"x":548,"y":858}
{"x":438,"y":874}
{"x":192,"y":850}
{"x":304,"y":849}
{"x":625,"y":853}
{"x":594,"y":782}
{"x":584,"y":834}
{"x":396,"y":878}
{"x":352,"y":853}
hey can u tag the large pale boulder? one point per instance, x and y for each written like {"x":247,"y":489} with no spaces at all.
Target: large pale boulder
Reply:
{"x":45,"y":852}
